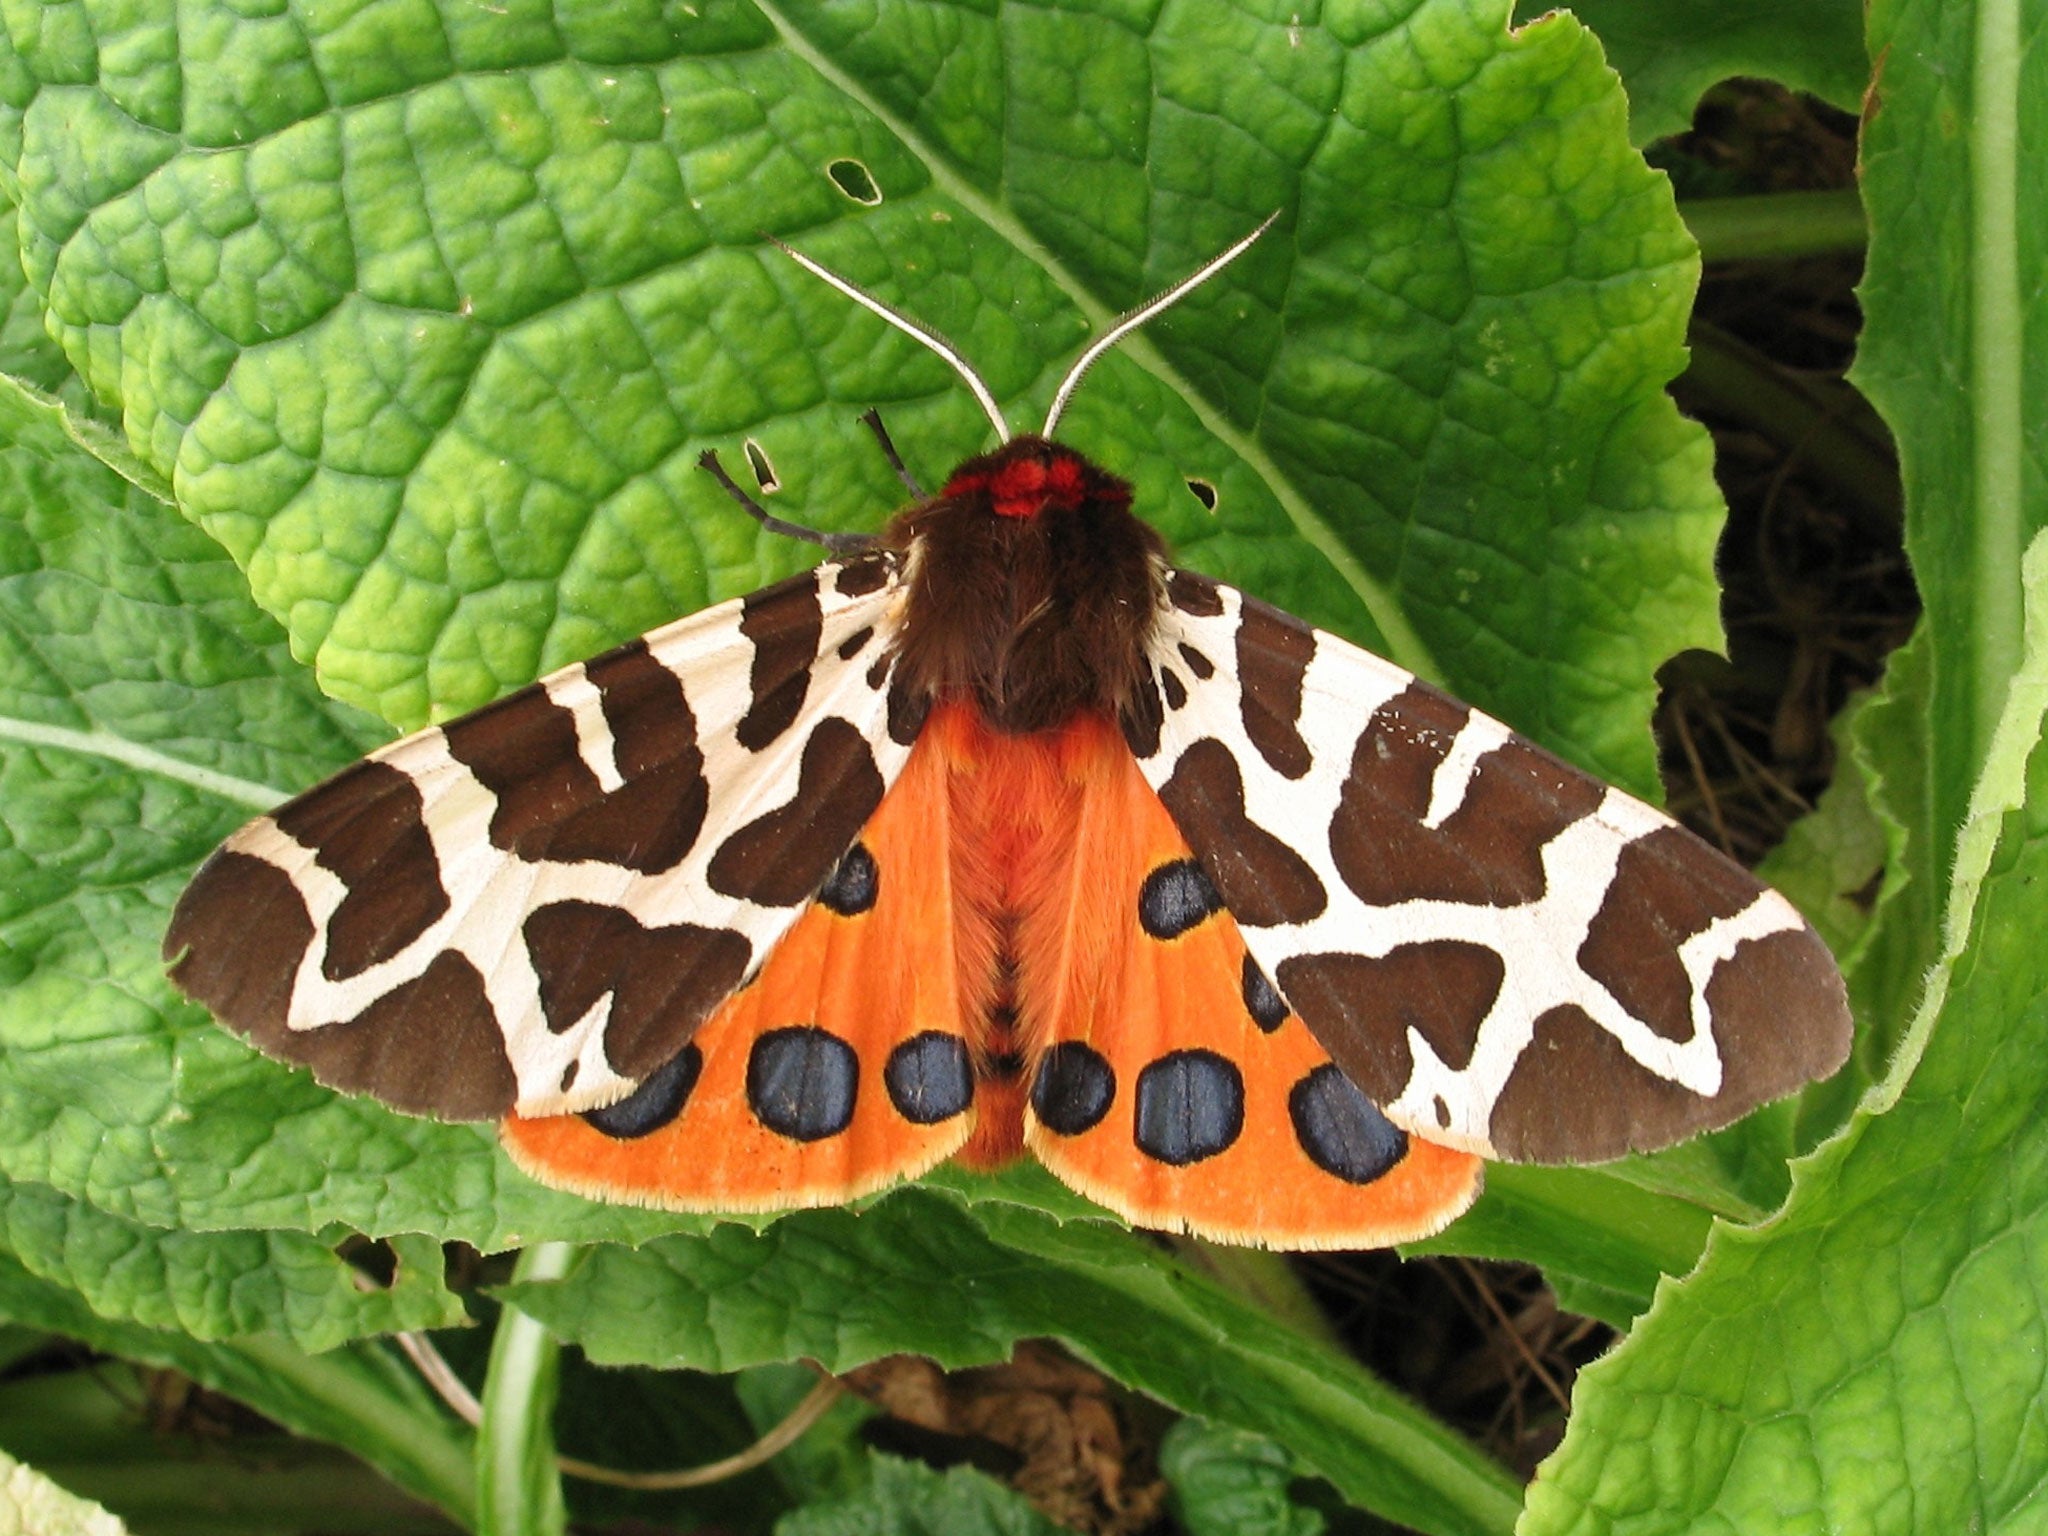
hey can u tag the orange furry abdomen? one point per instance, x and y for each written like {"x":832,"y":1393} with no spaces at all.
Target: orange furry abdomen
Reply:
{"x":1012,"y":808}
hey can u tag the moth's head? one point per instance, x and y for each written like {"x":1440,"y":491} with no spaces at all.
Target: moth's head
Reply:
{"x":1029,"y":475}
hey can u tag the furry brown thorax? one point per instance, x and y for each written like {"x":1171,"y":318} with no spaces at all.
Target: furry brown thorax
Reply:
{"x":1037,"y":589}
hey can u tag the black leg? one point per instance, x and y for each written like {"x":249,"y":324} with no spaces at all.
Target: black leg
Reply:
{"x":873,"y":421}
{"x":838,"y":543}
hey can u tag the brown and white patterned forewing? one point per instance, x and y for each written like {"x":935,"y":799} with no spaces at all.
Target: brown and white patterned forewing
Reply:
{"x":534,"y":906}
{"x":1504,"y":953}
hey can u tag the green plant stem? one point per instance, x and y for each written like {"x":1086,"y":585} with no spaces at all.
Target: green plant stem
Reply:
{"x":519,"y":1490}
{"x":1776,"y":226}
{"x":1732,"y":378}
{"x":1998,"y":326}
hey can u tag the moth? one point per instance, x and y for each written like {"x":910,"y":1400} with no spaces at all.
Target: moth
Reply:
{"x":998,"y":831}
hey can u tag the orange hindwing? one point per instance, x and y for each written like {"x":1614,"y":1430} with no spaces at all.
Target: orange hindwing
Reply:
{"x":1020,"y":950}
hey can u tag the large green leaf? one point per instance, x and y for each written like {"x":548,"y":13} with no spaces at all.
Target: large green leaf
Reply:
{"x":918,"y":1273}
{"x":1873,"y":1359}
{"x":432,"y":352}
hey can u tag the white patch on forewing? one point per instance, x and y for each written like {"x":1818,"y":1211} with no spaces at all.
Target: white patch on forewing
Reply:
{"x":491,"y":892}
{"x":1538,"y":941}
{"x":572,"y":689}
{"x":1454,"y":775}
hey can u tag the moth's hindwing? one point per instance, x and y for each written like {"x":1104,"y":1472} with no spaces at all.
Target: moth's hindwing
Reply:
{"x":1504,"y":953}
{"x":1170,"y":1081}
{"x":532,"y":907}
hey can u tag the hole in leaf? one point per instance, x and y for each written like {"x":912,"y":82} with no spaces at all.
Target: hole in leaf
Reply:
{"x":374,"y":1261}
{"x":852,"y":178}
{"x":1205,"y":492}
{"x":763,"y":467}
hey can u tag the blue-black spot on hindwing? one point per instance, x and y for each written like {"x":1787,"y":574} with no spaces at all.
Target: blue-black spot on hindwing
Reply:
{"x":930,"y":1077}
{"x":854,"y":884}
{"x":1190,"y":1106}
{"x":1262,"y":1000}
{"x":1074,"y":1088}
{"x":801,"y":1082}
{"x":655,"y":1103}
{"x":1176,"y":897}
{"x":1341,"y":1130}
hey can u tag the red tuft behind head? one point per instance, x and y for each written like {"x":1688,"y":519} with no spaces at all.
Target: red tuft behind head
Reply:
{"x":1029,"y":475}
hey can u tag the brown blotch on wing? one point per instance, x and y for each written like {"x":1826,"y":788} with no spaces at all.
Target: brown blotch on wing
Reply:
{"x":1489,"y":852}
{"x":236,"y":940}
{"x":1192,"y":594}
{"x":786,"y":623}
{"x":429,"y":1046}
{"x":1780,"y":1019}
{"x":782,"y":857}
{"x":1273,"y":653}
{"x":1667,"y":887}
{"x":663,"y":981}
{"x":523,"y":749}
{"x":864,"y":574}
{"x":1361,"y":1007}
{"x":1264,"y":882}
{"x":366,"y":825}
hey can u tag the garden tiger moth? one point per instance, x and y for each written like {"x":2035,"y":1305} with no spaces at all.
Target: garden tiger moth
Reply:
{"x":997,"y":832}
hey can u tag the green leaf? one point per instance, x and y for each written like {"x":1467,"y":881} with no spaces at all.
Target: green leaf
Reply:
{"x":32,"y":1505}
{"x":357,"y":1396}
{"x":1669,"y":51}
{"x":1872,"y":1359}
{"x":918,"y":1273}
{"x":906,"y":1498}
{"x":1230,"y":1482}
{"x":218,"y":1285}
{"x":1431,"y":400}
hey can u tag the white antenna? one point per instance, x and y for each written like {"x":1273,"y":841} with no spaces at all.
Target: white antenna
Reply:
{"x":911,"y":328}
{"x":1137,"y":317}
